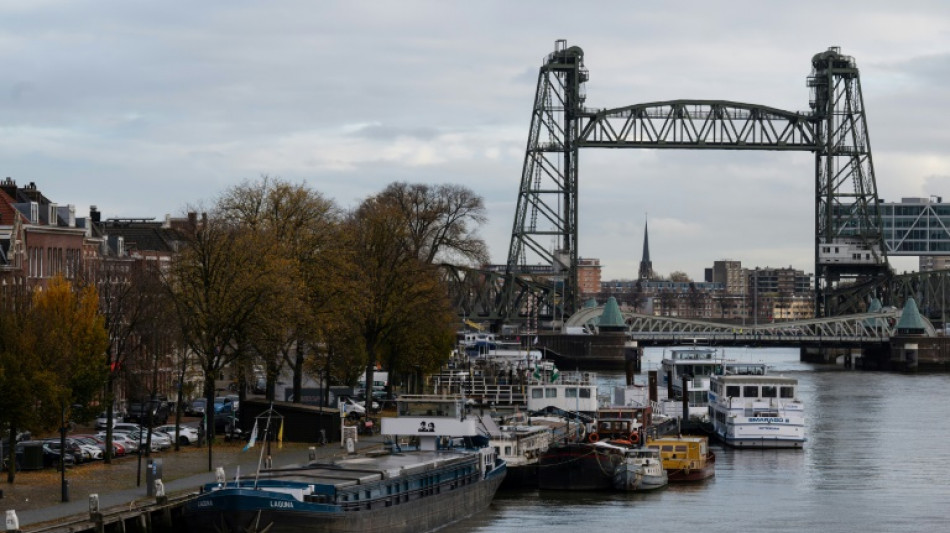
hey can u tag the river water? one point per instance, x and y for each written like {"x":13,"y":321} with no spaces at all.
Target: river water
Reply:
{"x":876,"y":460}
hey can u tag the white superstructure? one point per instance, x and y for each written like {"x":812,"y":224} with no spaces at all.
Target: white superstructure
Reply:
{"x":697,"y":365}
{"x":757,"y":411}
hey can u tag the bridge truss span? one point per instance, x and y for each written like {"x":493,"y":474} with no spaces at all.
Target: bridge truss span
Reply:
{"x":698,"y":124}
{"x":875,"y":327}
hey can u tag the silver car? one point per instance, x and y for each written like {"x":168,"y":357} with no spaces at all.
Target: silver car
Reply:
{"x":159,"y":441}
{"x":130,"y":445}
{"x":186,"y":434}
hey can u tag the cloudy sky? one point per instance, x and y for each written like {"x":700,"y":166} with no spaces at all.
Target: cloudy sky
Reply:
{"x":144,"y":108}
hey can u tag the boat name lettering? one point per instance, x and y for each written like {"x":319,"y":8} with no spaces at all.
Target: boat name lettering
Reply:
{"x":426,"y":427}
{"x":282,"y":504}
{"x":206,"y":503}
{"x":768,"y":419}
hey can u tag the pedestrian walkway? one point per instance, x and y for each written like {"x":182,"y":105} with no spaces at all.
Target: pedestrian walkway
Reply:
{"x":113,"y":501}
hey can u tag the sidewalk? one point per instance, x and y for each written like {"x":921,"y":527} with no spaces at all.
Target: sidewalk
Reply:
{"x":184,"y":472}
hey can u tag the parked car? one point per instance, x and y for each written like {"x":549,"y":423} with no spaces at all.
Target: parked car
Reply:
{"x":186,"y":434}
{"x":102,"y":420}
{"x":117,"y":449}
{"x":125,"y":427}
{"x":160,"y":441}
{"x":140,"y":410}
{"x":121,"y":439}
{"x":73,"y":449}
{"x":196,"y":407}
{"x":90,"y":452}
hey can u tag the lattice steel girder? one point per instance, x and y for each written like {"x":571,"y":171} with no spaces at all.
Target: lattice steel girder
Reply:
{"x":475,"y":294}
{"x":698,"y":124}
{"x":861,"y":326}
{"x":931,"y":291}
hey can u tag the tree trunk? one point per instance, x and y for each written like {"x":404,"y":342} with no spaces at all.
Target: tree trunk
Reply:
{"x":370,"y":368}
{"x":298,"y":372}
{"x":11,"y":454}
{"x":209,"y":415}
{"x":110,"y":414}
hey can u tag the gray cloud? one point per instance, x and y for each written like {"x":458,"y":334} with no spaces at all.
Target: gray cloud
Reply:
{"x":144,"y":108}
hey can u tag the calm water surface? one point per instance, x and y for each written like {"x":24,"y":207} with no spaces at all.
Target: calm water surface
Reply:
{"x":877,"y":460}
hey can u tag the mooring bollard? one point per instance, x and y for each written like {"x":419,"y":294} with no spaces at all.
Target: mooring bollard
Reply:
{"x":313,"y":453}
{"x":13,"y":523}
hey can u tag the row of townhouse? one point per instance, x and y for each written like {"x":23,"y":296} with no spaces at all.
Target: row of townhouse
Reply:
{"x":41,"y":239}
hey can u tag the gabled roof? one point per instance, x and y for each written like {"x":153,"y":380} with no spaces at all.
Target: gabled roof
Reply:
{"x":142,"y":236}
{"x":8,"y":212}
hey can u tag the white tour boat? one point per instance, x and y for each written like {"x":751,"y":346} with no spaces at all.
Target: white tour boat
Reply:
{"x":757,"y":411}
{"x":697,"y":365}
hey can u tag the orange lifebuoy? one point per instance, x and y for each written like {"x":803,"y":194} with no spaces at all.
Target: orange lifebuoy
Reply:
{"x":634,"y":437}
{"x":593,"y":437}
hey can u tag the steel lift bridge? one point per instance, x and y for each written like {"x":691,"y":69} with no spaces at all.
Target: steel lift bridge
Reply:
{"x":876,"y":326}
{"x":849,"y":243}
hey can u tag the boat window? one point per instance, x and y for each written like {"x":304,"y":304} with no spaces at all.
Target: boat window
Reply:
{"x":570,"y":392}
{"x":732,"y":390}
{"x":550,"y":392}
{"x":750,"y":391}
{"x":769,"y":391}
{"x":788,"y":392}
{"x":667,"y":447}
{"x":681,"y":447}
{"x":584,"y":393}
{"x":537,"y":393}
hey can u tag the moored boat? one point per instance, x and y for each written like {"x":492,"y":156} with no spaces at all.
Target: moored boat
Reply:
{"x":600,"y":466}
{"x":443,"y":479}
{"x":521,"y":442}
{"x":685,"y":457}
{"x":757,"y":411}
{"x":693,"y":367}
{"x":642,"y":470}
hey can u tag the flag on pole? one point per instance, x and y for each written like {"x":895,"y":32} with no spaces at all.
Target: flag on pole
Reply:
{"x":280,"y":435}
{"x":250,"y":443}
{"x":554,"y":375}
{"x":537,"y":372}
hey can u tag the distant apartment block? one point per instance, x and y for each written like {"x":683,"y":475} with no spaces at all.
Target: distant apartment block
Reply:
{"x":588,"y":277}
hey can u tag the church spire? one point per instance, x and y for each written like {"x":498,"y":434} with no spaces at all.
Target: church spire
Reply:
{"x":646,"y":266}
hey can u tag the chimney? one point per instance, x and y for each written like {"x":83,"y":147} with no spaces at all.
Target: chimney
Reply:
{"x":8,"y":186}
{"x":192,"y":219}
{"x":94,"y":214}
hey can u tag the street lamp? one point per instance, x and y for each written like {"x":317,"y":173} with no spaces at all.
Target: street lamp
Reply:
{"x":62,"y":454}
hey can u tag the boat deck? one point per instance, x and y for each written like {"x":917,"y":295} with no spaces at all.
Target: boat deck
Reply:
{"x":366,"y":469}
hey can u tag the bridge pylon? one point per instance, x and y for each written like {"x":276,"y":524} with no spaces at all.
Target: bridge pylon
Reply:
{"x":849,"y":244}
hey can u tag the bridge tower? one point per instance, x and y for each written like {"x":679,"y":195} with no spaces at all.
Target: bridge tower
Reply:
{"x":545,"y":222}
{"x":849,"y":240}
{"x":849,"y":237}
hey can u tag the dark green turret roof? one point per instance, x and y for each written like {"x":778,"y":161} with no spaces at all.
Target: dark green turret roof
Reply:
{"x":590,"y":303}
{"x":911,"y":321}
{"x":611,"y":317}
